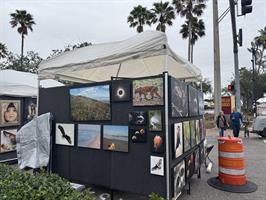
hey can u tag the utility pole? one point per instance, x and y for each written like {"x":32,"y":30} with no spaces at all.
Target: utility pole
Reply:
{"x":217,"y":68}
{"x":254,"y":106}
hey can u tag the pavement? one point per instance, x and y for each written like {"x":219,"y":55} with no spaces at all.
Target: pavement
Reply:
{"x":255,"y":150}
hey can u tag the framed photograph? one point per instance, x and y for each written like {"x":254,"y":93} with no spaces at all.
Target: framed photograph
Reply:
{"x":197,"y":160}
{"x":192,"y":132}
{"x":148,"y":92}
{"x":202,"y":153}
{"x":157,"y":143}
{"x":202,"y":129}
{"x":138,"y":135}
{"x":193,"y":102}
{"x":90,"y":103}
{"x":10,"y":113}
{"x":155,"y":120}
{"x":179,"y":98}
{"x":179,"y":179}
{"x":137,"y":118}
{"x":8,"y":140}
{"x":178,"y":139}
{"x":197,"y":129}
{"x":89,"y":136}
{"x":190,"y":166}
{"x":64,"y":134}
{"x":121,"y":90}
{"x":157,"y":165}
{"x":201,"y":103}
{"x":186,"y":130}
{"x":115,"y":138}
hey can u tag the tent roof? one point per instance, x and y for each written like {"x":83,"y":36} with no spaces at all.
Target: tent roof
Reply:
{"x":145,"y":54}
{"x":15,"y":83}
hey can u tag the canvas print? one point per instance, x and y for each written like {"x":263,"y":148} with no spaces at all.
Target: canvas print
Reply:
{"x":148,"y":92}
{"x":89,"y":136}
{"x":90,"y":103}
{"x":115,"y":138}
{"x":8,"y":140}
{"x":157,"y":143}
{"x":179,"y":98}
{"x":190,"y":165}
{"x":197,"y":129}
{"x":64,"y":134}
{"x":121,"y":90}
{"x":193,"y":102}
{"x":192,"y":133}
{"x":178,"y":139}
{"x":155,"y":120}
{"x":137,"y":118}
{"x":202,"y":153}
{"x":157,"y":165}
{"x":179,"y":178}
{"x":197,"y":160}
{"x":186,"y":130}
{"x":201,"y":103}
{"x":10,"y":112}
{"x":138,"y":135}
{"x":202,"y":129}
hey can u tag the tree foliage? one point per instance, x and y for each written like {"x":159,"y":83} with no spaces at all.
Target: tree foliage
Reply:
{"x":3,"y":50}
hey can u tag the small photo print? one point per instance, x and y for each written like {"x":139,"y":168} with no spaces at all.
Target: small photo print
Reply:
{"x":157,"y":165}
{"x":10,"y":112}
{"x":178,"y":139}
{"x":8,"y":140}
{"x":115,"y":138}
{"x":64,"y":134}
{"x":197,"y":131}
{"x":137,"y":118}
{"x":190,"y":166}
{"x":157,"y":143}
{"x":193,"y":133}
{"x":179,"y":178}
{"x":89,"y":136}
{"x":120,"y":90}
{"x":138,"y":135}
{"x":155,"y":120}
{"x":187,"y":142}
{"x":197,"y":160}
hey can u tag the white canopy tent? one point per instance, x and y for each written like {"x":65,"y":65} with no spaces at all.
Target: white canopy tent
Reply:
{"x":145,"y":54}
{"x":22,"y":84}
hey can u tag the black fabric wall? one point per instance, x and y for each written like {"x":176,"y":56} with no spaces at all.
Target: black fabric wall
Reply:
{"x":115,"y":170}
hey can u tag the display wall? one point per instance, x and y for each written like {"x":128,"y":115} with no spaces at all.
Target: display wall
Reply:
{"x":112,"y":134}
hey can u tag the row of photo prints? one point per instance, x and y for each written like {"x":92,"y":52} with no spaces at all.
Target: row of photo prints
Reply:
{"x":93,"y":103}
{"x":115,"y":137}
{"x":185,"y":169}
{"x":10,"y":111}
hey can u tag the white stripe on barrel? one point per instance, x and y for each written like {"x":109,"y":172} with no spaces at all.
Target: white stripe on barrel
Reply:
{"x":231,"y":155}
{"x":232,"y":171}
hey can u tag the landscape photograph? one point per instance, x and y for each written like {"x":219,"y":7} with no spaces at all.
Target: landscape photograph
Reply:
{"x":90,"y":103}
{"x":89,"y":136}
{"x":115,"y":138}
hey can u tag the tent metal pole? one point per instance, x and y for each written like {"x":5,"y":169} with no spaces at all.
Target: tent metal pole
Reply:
{"x":118,"y":70}
{"x":38,"y":95}
{"x":167,"y":136}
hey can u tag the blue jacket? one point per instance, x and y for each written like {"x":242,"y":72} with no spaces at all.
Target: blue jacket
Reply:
{"x":235,"y":118}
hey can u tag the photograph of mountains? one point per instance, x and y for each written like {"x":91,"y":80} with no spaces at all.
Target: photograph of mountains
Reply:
{"x":90,"y":103}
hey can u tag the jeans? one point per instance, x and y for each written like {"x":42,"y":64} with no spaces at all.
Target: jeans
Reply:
{"x":236,"y":129}
{"x":221,"y":132}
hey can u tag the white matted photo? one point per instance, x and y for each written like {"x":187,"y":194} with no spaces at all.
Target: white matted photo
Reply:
{"x":157,"y":165}
{"x":179,"y":179}
{"x":178,"y":138}
{"x":64,"y":134}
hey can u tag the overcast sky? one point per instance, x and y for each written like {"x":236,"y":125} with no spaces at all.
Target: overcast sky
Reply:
{"x":62,"y":22}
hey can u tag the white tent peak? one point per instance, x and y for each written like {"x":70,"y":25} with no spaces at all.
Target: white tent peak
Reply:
{"x":144,"y":54}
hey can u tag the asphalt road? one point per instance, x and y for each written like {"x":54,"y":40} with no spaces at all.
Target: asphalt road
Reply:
{"x":255,"y":154}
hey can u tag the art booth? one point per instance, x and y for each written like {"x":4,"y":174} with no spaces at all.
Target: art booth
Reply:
{"x":18,"y":99}
{"x":132,"y":123}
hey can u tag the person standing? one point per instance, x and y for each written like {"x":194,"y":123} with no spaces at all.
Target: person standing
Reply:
{"x":221,"y":123}
{"x":236,"y":117}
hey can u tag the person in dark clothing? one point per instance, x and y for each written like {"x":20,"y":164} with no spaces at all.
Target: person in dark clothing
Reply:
{"x":236,"y":118}
{"x":221,"y":123}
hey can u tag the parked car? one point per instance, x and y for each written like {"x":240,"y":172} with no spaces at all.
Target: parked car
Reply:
{"x":259,"y":126}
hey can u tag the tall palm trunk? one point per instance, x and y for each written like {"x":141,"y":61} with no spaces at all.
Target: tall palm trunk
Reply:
{"x":192,"y":53}
{"x":189,"y":39}
{"x":22,"y":47}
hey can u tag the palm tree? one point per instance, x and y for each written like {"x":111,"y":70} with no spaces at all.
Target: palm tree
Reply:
{"x":164,"y":14}
{"x":197,"y":31}
{"x":260,"y":43}
{"x":139,"y":16}
{"x":189,"y":9}
{"x":3,"y":50}
{"x":24,"y":21}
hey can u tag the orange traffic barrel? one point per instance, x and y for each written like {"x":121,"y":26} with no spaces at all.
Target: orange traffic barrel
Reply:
{"x":231,"y":161}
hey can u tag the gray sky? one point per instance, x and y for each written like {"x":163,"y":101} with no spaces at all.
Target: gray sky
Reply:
{"x":62,"y":22}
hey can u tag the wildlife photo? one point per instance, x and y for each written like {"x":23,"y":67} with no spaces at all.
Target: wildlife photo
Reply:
{"x":157,"y":165}
{"x":186,"y":129}
{"x":115,"y":138}
{"x":148,"y":92}
{"x":90,"y":103}
{"x":155,"y":120}
{"x":192,"y":133}
{"x":10,"y":112}
{"x":120,"y":91}
{"x":64,"y":134}
{"x":178,"y":139}
{"x":193,"y":102}
{"x":179,"y":98}
{"x":8,"y":140}
{"x":138,"y":135}
{"x":179,"y":178}
{"x":89,"y":136}
{"x":137,"y":118}
{"x":197,"y":126}
{"x":157,"y":143}
{"x":201,"y":103}
{"x":190,"y":165}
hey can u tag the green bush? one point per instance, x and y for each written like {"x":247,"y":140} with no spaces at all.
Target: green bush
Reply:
{"x":154,"y":196}
{"x":17,"y":185}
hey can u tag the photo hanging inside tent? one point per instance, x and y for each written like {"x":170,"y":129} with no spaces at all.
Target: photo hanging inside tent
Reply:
{"x":8,"y":140}
{"x":179,"y":178}
{"x":137,"y":118}
{"x":89,"y":136}
{"x":190,"y":166}
{"x":193,"y":101}
{"x":157,"y":165}
{"x":10,"y":113}
{"x":178,"y":139}
{"x":64,"y":134}
{"x":121,"y":90}
{"x":186,"y":134}
{"x":138,"y":135}
{"x":155,"y":120}
{"x":157,"y":143}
